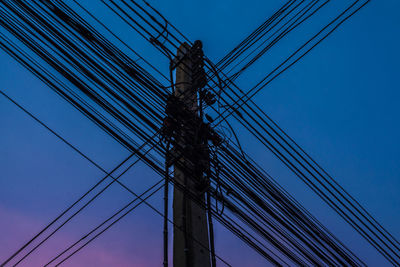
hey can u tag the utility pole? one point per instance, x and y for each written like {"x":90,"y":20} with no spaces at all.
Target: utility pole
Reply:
{"x":191,"y":238}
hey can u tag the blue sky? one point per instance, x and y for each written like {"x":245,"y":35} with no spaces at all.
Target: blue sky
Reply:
{"x":340,"y":103}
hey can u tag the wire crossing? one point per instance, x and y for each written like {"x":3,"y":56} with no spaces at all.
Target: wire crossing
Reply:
{"x":135,"y":103}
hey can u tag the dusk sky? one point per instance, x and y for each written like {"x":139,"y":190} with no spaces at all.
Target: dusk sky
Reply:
{"x":341,"y":103}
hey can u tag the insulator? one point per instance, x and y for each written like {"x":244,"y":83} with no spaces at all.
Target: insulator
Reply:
{"x":209,"y":118}
{"x":212,"y":102}
{"x":210,"y":98}
{"x":198,"y":44}
{"x":201,"y":83}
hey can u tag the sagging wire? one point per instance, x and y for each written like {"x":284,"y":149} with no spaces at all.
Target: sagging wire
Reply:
{"x":166,"y":191}
{"x":154,"y":19}
{"x":220,"y":84}
{"x":217,"y":168}
{"x":237,"y":140}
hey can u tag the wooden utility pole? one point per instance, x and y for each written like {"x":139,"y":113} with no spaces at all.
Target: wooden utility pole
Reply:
{"x":191,"y":240}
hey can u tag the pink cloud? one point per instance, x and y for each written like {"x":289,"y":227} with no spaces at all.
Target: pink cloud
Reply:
{"x":17,"y":228}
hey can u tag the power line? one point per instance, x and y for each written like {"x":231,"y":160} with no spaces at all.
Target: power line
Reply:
{"x":303,"y":242}
{"x":92,"y":199}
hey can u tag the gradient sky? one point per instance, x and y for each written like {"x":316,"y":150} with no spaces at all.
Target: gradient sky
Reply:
{"x":340,"y":103}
